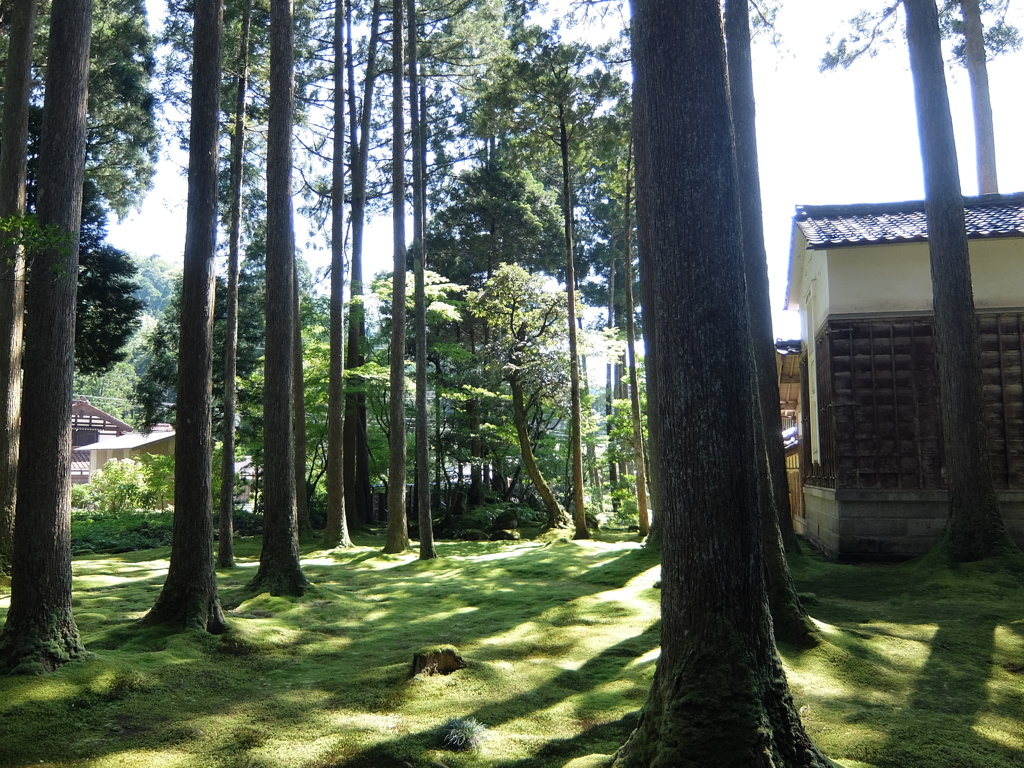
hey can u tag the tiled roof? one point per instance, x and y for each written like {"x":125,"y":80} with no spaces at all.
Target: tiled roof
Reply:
{"x":831,"y":226}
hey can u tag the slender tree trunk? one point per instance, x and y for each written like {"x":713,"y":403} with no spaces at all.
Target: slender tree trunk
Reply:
{"x":358,"y":502}
{"x":280,"y":572}
{"x":299,"y":412}
{"x":634,"y":381}
{"x":417,"y":119}
{"x":40,"y":633}
{"x":189,"y":597}
{"x":790,"y":621}
{"x":225,"y":550}
{"x":719,"y":697}
{"x":13,"y":140}
{"x":981,"y":99}
{"x":975,"y":528}
{"x":336,"y":532}
{"x":557,"y":517}
{"x":609,"y":385}
{"x":398,"y":535}
{"x":579,"y":516}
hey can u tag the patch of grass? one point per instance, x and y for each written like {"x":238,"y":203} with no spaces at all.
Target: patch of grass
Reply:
{"x":921,"y":666}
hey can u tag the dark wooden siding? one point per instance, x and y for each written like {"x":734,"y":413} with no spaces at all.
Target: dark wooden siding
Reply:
{"x":879,"y":409}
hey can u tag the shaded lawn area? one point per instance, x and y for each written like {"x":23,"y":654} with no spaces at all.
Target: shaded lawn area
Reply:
{"x":921,"y":666}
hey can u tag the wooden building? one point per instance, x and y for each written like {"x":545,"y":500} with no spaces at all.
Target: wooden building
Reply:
{"x":871,"y":447}
{"x":89,"y":425}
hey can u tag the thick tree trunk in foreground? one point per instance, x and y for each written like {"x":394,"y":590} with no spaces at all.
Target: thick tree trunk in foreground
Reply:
{"x":13,"y":140}
{"x":189,"y":597}
{"x":975,"y":528}
{"x":417,"y":120}
{"x":981,"y":99}
{"x":225,"y":548}
{"x":398,"y":527}
{"x":40,"y":633}
{"x":336,"y":531}
{"x":790,"y":621}
{"x":280,"y":572}
{"x":720,"y":697}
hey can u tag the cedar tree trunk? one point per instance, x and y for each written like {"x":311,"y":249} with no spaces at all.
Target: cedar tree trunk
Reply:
{"x":189,"y":596}
{"x":975,"y":528}
{"x":225,"y":549}
{"x":280,"y":572}
{"x":981,"y":99}
{"x":336,"y":531}
{"x":720,"y":697}
{"x":13,"y":140}
{"x":398,"y":529}
{"x":40,"y":633}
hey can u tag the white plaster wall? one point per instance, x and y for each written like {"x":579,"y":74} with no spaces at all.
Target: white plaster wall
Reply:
{"x":897,"y":278}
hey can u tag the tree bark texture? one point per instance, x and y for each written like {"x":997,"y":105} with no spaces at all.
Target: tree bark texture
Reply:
{"x":280,"y":572}
{"x":981,"y":98}
{"x":720,"y":697}
{"x":579,"y":516}
{"x":417,"y":121}
{"x":398,"y":527}
{"x":975,"y":527}
{"x":336,"y":532}
{"x":225,"y":548}
{"x":189,"y":599}
{"x":40,"y":633}
{"x":13,"y":140}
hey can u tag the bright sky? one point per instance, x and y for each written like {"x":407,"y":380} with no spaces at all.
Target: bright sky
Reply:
{"x":838,"y":137}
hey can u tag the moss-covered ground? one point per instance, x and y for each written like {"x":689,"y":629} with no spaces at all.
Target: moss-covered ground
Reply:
{"x":921,"y":666}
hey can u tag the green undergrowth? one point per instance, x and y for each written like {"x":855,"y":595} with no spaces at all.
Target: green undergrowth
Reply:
{"x":920,"y":665}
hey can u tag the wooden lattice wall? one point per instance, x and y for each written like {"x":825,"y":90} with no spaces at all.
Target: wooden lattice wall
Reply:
{"x":878,"y":395}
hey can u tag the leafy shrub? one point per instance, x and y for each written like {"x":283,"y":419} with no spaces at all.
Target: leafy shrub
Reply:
{"x":82,"y":496}
{"x":120,"y":486}
{"x":463,"y":733}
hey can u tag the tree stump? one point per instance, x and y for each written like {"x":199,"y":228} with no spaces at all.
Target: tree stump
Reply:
{"x":437,"y":660}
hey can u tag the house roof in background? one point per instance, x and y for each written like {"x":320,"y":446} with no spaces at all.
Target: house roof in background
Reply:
{"x":833,"y":226}
{"x":131,"y":441}
{"x":88,"y":415}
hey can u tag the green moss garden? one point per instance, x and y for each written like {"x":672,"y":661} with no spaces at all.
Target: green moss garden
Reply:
{"x":920,"y":666}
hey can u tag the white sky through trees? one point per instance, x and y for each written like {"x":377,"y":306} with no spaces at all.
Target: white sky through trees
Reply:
{"x":824,"y":138}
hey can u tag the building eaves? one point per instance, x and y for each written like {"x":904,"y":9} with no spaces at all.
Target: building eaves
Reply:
{"x":834,"y":226}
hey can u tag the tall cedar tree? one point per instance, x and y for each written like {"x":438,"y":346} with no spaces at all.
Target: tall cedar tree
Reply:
{"x":417,"y":120}
{"x":398,"y":536}
{"x":280,"y":572}
{"x":336,"y":531}
{"x":299,"y":414}
{"x":975,"y":59}
{"x":789,"y":618}
{"x":643,"y":512}
{"x":719,"y":697}
{"x":40,"y":633}
{"x":975,"y":528}
{"x":189,"y":597}
{"x":357,"y":457}
{"x":13,"y":162}
{"x":225,"y":542}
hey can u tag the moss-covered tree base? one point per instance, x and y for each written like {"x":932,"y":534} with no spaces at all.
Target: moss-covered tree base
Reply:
{"x":720,"y":708}
{"x":278,"y":581}
{"x":31,"y":647}
{"x":181,"y":612}
{"x":973,"y":535}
